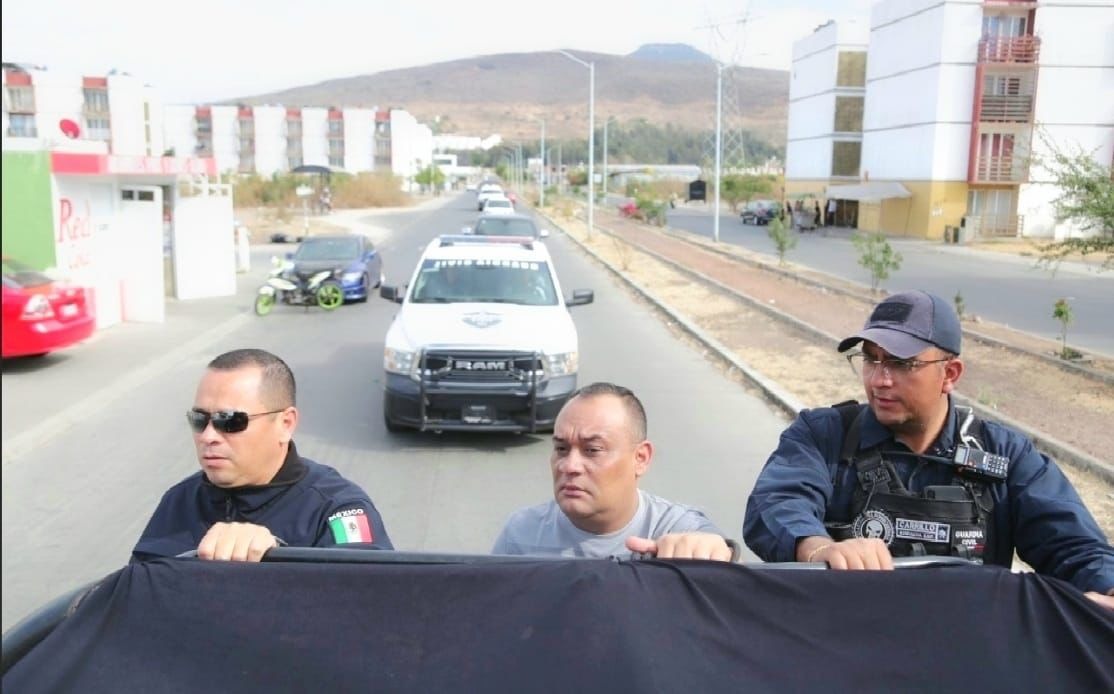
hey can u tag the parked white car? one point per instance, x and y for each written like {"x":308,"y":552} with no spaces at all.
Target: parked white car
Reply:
{"x":488,"y":190}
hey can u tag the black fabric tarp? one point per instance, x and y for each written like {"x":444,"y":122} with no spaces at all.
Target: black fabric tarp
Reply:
{"x":570,"y":626}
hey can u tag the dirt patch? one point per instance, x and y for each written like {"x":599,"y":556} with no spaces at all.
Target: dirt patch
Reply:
{"x":262,"y":222}
{"x":1038,"y":394}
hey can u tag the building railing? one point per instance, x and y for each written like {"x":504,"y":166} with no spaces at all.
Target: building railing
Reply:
{"x":993,"y":225}
{"x":1011,"y":109}
{"x":1001,"y":169}
{"x":1009,"y":49}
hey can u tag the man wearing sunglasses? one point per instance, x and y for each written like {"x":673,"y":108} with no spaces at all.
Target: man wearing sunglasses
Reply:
{"x":911,"y":473}
{"x":254,"y":491}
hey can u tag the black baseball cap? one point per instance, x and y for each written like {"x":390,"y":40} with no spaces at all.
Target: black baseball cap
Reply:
{"x":908,"y":323}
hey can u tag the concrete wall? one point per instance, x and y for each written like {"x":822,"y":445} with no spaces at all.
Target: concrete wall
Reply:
{"x":359,"y":139}
{"x":812,"y":98}
{"x":179,"y":130}
{"x":270,"y":140}
{"x":226,"y":140}
{"x":128,"y":122}
{"x":315,"y":133}
{"x":1074,"y":105}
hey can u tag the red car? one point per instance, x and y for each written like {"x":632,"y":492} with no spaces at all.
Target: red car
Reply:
{"x":40,"y":314}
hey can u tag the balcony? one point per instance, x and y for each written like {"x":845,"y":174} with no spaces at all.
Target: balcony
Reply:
{"x":1009,"y":49}
{"x":1001,"y":169}
{"x":1007,"y":109}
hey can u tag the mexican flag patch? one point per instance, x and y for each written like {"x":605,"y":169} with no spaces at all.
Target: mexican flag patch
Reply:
{"x":350,"y":526}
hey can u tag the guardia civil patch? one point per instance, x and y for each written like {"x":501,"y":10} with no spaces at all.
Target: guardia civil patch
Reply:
{"x":350,"y":525}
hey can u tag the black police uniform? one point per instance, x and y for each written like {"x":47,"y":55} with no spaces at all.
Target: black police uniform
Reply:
{"x":306,"y":505}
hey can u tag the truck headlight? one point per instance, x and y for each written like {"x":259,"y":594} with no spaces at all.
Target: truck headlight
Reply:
{"x":563,"y":364}
{"x":399,"y":361}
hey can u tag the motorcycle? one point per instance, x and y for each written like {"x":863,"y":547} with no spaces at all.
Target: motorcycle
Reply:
{"x":319,"y":289}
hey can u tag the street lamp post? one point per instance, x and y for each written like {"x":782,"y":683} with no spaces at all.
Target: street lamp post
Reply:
{"x":541,"y":174}
{"x":719,"y":141}
{"x":591,"y":137}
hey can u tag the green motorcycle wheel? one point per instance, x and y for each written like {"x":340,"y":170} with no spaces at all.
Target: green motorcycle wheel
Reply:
{"x":330,"y":295}
{"x":264,"y":303}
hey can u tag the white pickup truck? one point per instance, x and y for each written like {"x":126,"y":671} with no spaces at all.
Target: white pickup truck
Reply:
{"x":483,"y":340}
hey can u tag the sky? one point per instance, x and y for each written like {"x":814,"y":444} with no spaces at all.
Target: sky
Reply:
{"x":209,"y":50}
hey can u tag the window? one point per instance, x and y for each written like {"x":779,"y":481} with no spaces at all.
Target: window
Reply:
{"x":336,"y":162}
{"x":1003,"y":25}
{"x":96,"y":100}
{"x":845,"y":158}
{"x":21,"y":125}
{"x":852,"y":69}
{"x":336,"y":127}
{"x":98,"y":128}
{"x":293,"y":162}
{"x":21,"y":99}
{"x":849,"y":114}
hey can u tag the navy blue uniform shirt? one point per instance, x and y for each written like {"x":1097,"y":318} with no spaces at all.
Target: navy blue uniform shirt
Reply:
{"x":1036,"y":510}
{"x":306,"y":505}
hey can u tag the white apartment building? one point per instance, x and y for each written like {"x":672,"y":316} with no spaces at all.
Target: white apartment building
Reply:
{"x":958,"y":96}
{"x":827,"y":87}
{"x":273,"y":139}
{"x":116,"y":113}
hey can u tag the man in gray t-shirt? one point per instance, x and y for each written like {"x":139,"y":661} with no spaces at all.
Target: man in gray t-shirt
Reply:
{"x":599,"y":452}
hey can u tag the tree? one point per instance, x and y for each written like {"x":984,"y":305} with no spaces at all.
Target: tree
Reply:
{"x":876,"y":255}
{"x":1063,"y":313}
{"x":736,"y":188}
{"x":431,"y":176}
{"x":1086,"y":198}
{"x":783,"y":238}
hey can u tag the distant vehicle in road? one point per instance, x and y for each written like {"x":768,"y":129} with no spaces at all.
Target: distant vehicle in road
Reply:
{"x":352,"y":258}
{"x":488,"y":190}
{"x":761,"y":211}
{"x":507,"y":225}
{"x":494,"y":205}
{"x":41,"y":315}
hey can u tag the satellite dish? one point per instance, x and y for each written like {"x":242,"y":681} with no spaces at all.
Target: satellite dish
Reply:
{"x":69,"y":128}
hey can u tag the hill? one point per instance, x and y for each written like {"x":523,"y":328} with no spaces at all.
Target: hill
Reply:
{"x":511,"y":93}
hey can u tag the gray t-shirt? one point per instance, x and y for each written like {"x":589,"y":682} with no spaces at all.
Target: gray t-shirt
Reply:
{"x":545,"y":530}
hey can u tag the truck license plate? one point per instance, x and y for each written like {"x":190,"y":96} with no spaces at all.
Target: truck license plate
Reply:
{"x":477,"y":414}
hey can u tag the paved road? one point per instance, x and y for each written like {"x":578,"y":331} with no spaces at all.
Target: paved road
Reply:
{"x":76,"y":498}
{"x":1005,"y":289}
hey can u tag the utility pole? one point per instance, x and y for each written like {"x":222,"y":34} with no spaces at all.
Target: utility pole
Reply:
{"x":605,"y":122}
{"x":719,"y":143}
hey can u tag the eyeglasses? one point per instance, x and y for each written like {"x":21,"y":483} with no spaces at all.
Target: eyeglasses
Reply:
{"x":865,"y":364}
{"x":224,"y":421}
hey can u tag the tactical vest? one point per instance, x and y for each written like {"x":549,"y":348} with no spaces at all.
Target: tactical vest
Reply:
{"x":949,"y":520}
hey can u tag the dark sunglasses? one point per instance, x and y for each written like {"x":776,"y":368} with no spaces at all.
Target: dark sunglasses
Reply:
{"x":224,"y":421}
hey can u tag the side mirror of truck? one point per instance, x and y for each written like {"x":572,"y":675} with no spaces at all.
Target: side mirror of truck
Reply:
{"x":392,"y":294}
{"x":581,"y":297}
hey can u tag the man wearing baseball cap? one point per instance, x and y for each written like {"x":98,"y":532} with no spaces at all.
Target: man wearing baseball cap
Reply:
{"x":912,"y":473}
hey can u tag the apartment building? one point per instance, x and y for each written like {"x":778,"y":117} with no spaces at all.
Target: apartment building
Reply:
{"x":266,"y":140}
{"x":827,"y":88}
{"x":961,"y":99}
{"x":88,"y":194}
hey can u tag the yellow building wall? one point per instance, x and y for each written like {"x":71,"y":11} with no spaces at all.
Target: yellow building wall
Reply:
{"x":803,"y":189}
{"x":934,"y":205}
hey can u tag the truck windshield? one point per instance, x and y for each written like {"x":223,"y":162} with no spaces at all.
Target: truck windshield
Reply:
{"x":484,"y":281}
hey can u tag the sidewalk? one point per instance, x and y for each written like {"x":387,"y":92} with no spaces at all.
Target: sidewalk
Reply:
{"x":1011,"y":251}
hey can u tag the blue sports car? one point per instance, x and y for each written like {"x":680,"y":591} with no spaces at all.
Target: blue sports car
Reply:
{"x":353,"y":259}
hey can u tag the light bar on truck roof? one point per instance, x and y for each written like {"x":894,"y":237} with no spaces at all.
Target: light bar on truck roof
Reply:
{"x":479,"y":239}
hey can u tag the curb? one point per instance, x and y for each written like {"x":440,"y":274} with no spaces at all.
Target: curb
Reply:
{"x":1058,"y":450}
